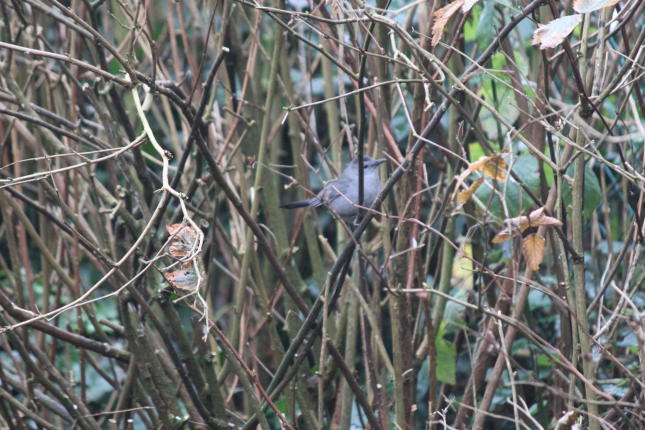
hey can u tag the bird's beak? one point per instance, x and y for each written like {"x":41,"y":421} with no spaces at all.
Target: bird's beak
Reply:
{"x":379,"y":161}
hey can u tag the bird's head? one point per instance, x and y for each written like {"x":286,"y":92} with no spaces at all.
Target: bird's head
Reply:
{"x":369,"y":161}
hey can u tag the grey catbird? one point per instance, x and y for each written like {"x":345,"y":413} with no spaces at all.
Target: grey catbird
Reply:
{"x":341,"y":195}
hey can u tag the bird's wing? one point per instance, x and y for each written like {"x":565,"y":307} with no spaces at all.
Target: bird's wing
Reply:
{"x":316,"y":202}
{"x":329,"y":193}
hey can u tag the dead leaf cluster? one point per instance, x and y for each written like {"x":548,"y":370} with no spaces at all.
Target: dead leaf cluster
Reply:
{"x":492,"y":166}
{"x":532,"y":244}
{"x":183,"y":244}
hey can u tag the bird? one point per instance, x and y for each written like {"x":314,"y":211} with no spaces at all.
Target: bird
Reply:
{"x":341,"y":195}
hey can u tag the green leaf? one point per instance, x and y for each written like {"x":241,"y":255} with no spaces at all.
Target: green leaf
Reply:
{"x":502,"y":98}
{"x":510,"y":191}
{"x":591,"y":193}
{"x":486,"y":31}
{"x":281,"y":404}
{"x":537,"y":300}
{"x":446,"y":358}
{"x":526,"y":167}
{"x":498,"y":61}
{"x":470,"y":26}
{"x":548,"y":174}
{"x":616,"y":390}
{"x":545,"y":361}
{"x":476,"y":150}
{"x":114,"y":67}
{"x":98,"y":389}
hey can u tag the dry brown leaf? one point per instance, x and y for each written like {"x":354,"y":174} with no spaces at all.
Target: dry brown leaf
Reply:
{"x":466,"y":194}
{"x":586,"y":6}
{"x":493,"y":166}
{"x":507,"y":232}
{"x":444,"y":14}
{"x":516,"y":225}
{"x":533,"y":248}
{"x":441,"y":18}
{"x":567,"y":421}
{"x":538,"y":218}
{"x":553,"y":33}
{"x":183,"y":241}
{"x":184,"y":279}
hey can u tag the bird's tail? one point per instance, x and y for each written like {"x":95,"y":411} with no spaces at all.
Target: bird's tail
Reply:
{"x":298,"y":204}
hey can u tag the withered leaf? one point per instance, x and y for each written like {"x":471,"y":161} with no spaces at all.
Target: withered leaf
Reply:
{"x":507,"y":232}
{"x":539,"y":218}
{"x":567,"y":421}
{"x":441,"y":18}
{"x":515,"y":226}
{"x":444,"y":14}
{"x":184,"y":279}
{"x":184,"y":240}
{"x":533,"y":249}
{"x":553,"y":33}
{"x":493,"y":166}
{"x":586,"y":6}
{"x":466,"y":194}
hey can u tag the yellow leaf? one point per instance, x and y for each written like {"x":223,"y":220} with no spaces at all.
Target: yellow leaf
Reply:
{"x":465,"y":195}
{"x":463,"y":270}
{"x":493,"y":166}
{"x":533,"y":248}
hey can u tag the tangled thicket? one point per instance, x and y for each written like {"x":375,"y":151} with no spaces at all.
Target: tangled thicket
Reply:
{"x":149,"y":279}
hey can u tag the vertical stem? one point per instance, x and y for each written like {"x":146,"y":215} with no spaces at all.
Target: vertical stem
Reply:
{"x":577,"y":221}
{"x":350,"y":355}
{"x":579,"y":282}
{"x":445,"y":272}
{"x":259,"y":173}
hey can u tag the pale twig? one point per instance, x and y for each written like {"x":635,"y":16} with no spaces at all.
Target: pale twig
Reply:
{"x":66,"y":58}
{"x":360,"y":90}
{"x":9,"y":182}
